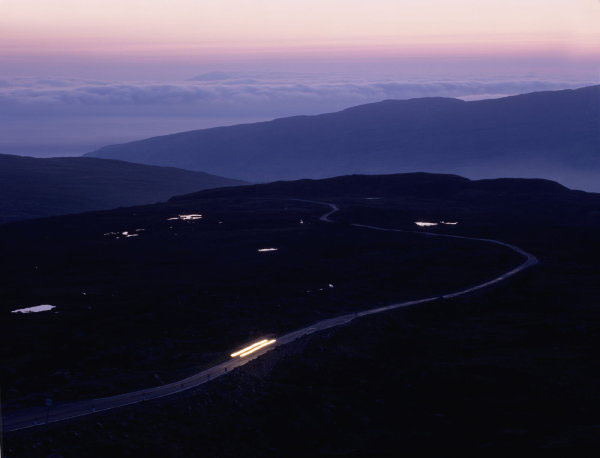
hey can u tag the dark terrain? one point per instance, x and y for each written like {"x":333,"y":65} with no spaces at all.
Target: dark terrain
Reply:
{"x":34,"y":188}
{"x":513,"y":366}
{"x":553,"y":134}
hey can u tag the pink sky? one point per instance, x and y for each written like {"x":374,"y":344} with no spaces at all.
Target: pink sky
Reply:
{"x":161,"y":28}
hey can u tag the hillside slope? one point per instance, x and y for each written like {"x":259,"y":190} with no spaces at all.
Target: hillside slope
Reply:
{"x":32,"y":188}
{"x":510,"y":366}
{"x":552,"y":135}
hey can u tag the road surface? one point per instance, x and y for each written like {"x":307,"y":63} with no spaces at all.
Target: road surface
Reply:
{"x":42,"y":415}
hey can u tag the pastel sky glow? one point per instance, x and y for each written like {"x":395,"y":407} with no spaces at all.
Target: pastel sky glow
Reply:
{"x":201,"y":28}
{"x":80,"y":74}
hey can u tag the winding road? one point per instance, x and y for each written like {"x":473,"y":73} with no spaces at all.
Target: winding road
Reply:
{"x":42,"y":415}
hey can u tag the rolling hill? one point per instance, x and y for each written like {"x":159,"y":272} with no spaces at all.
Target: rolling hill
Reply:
{"x":32,"y":188}
{"x":507,"y":201}
{"x":553,"y":135}
{"x":511,"y":365}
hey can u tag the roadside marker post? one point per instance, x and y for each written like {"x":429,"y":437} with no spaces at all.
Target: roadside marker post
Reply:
{"x":48,"y":403}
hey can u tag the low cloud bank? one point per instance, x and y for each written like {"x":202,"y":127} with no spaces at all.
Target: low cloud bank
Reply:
{"x":219,"y":94}
{"x":73,"y":116}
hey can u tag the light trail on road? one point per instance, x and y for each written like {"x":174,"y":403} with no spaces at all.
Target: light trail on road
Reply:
{"x":248,"y":348}
{"x":258,"y":347}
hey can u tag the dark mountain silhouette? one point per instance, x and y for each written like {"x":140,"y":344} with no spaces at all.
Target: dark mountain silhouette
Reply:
{"x":553,"y":135}
{"x":525,"y":201}
{"x":420,"y":184}
{"x":31,"y":188}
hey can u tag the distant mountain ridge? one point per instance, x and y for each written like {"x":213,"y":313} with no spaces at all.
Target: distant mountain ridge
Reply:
{"x":33,"y":188}
{"x":553,"y":134}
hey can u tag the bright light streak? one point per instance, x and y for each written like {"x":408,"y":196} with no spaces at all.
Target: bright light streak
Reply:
{"x":263,"y":250}
{"x":425,"y":224}
{"x":243,"y":350}
{"x":258,"y":347}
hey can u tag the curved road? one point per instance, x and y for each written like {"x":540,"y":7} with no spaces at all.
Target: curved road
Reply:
{"x":39,"y":415}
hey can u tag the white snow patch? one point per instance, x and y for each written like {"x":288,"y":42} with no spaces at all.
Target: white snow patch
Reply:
{"x":35,"y":309}
{"x":126,"y":234}
{"x":190,"y":217}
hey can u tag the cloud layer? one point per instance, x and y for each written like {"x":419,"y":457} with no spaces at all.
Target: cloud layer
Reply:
{"x":50,"y":114}
{"x":218,"y":94}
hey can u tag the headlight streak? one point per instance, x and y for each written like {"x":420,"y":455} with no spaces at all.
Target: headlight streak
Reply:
{"x":258,"y":347}
{"x":252,"y":348}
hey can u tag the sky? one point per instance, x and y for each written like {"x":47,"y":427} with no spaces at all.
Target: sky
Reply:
{"x":175,"y":29}
{"x":78,"y":74}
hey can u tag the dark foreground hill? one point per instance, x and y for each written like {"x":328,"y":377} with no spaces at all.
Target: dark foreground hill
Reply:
{"x":32,"y":188}
{"x":554,"y":135}
{"x":143,"y":298}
